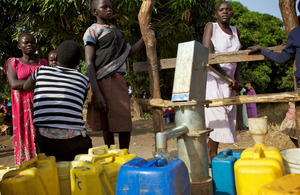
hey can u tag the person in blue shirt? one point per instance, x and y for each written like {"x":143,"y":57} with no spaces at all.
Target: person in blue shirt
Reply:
{"x":291,"y":51}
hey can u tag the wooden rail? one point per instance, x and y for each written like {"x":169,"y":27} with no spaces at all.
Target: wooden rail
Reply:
{"x":236,"y":100}
{"x":225,"y":57}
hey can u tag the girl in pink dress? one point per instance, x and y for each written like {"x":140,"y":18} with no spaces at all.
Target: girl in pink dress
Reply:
{"x":18,"y":70}
{"x":221,"y":37}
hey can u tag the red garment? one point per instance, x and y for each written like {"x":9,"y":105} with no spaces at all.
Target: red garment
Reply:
{"x":4,"y":109}
{"x":22,"y":113}
{"x":169,"y":111}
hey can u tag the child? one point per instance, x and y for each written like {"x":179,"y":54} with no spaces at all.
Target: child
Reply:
{"x":106,"y":50}
{"x":251,"y":107}
{"x":52,"y":58}
{"x":59,"y":95}
{"x":221,"y":37}
{"x":18,"y":70}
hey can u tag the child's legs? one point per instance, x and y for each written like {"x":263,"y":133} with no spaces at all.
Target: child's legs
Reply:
{"x":108,"y":138}
{"x":124,"y":139}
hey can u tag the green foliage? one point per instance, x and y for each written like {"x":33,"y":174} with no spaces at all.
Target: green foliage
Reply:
{"x":266,"y":30}
{"x":54,"y":21}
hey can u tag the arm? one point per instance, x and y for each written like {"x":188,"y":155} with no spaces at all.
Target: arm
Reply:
{"x":286,"y":54}
{"x":89,"y":51}
{"x":29,"y":84}
{"x":136,"y":47}
{"x":13,"y":80}
{"x":280,"y":58}
{"x":139,"y":44}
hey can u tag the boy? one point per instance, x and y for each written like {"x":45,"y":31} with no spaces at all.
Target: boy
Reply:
{"x":52,"y":61}
{"x":58,"y":100}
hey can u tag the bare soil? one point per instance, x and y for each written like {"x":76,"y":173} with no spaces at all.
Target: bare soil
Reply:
{"x":143,"y":141}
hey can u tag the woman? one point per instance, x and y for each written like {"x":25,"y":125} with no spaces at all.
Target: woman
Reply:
{"x":18,"y":70}
{"x":221,"y":37}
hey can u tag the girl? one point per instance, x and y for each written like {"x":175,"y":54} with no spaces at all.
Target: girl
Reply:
{"x":106,"y":50}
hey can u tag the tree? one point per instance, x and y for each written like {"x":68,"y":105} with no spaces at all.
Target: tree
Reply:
{"x":8,"y":19}
{"x":266,"y":30}
{"x":53,"y":21}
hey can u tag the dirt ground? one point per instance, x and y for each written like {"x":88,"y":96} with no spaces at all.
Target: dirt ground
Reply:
{"x":143,"y":141}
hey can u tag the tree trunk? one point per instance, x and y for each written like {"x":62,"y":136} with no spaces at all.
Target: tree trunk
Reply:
{"x":137,"y":113}
{"x":288,"y":13}
{"x":290,"y":21}
{"x":148,"y":34}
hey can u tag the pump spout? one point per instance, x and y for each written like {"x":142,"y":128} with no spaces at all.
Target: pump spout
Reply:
{"x":163,"y":137}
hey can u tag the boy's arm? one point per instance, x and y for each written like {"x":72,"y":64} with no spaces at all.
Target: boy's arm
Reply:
{"x":89,"y":51}
{"x":29,"y":84}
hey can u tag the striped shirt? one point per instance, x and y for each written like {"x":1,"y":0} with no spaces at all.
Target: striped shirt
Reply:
{"x":59,"y":96}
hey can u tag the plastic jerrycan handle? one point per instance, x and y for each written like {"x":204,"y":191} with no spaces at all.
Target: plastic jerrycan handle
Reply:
{"x":258,"y":152}
{"x":100,"y":148}
{"x":29,"y":163}
{"x":32,"y":162}
{"x":227,"y":152}
{"x":98,"y":158}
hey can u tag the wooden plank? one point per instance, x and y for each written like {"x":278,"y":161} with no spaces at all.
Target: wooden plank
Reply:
{"x":243,"y":99}
{"x":225,"y":57}
{"x":164,"y":63}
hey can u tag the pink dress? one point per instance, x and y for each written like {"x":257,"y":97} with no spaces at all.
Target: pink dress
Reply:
{"x":22,"y":113}
{"x":222,"y":119}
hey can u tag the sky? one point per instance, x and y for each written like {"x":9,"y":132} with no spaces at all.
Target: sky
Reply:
{"x":264,"y":6}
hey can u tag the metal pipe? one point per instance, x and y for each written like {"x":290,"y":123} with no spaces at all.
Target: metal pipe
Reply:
{"x":163,"y":137}
{"x":217,"y":74}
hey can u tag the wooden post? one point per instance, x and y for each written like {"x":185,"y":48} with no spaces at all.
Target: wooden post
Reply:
{"x":144,"y":17}
{"x":290,"y":21}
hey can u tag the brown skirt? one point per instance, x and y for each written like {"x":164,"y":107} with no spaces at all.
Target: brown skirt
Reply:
{"x":117,"y":118}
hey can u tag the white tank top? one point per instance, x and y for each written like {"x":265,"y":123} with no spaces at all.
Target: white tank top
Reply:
{"x":224,"y":42}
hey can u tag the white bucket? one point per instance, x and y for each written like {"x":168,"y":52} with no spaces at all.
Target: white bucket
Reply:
{"x":291,"y":160}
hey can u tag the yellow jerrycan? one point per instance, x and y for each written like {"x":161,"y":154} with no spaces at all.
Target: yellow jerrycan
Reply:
{"x":286,"y":185}
{"x":63,"y":169}
{"x":36,"y":176}
{"x":95,"y":177}
{"x":4,"y":169}
{"x":122,"y":154}
{"x":257,"y":167}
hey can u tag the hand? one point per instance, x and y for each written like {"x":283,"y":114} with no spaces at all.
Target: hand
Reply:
{"x":99,"y":102}
{"x":151,"y":26}
{"x":235,"y":85}
{"x":254,"y":49}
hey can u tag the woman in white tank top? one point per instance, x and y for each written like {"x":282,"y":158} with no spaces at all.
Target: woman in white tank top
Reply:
{"x":221,"y":37}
